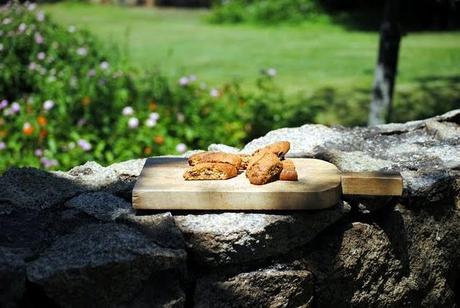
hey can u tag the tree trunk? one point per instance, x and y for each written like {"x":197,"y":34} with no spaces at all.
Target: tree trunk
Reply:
{"x":387,"y":64}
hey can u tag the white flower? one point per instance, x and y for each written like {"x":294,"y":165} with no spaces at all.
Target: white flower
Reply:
{"x":183,"y":81}
{"x":127,"y":111}
{"x":6,"y":21}
{"x":41,"y":55}
{"x":72,"y":29}
{"x":2,"y":145}
{"x":133,"y":122}
{"x":82,"y":51}
{"x":214,"y":92}
{"x":31,"y":6}
{"x":150,"y":122}
{"x":41,"y":16}
{"x":104,"y":65}
{"x":22,"y":27}
{"x":15,"y":108}
{"x":181,"y":148}
{"x":48,"y":105}
{"x":180,"y":117}
{"x":271,"y":72}
{"x":154,"y":116}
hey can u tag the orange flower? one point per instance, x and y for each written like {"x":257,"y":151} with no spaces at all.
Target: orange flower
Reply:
{"x":43,"y":133}
{"x":153,"y":106}
{"x":86,"y":101}
{"x":147,"y":150}
{"x":3,"y":133}
{"x":41,"y":120}
{"x":27,"y":129}
{"x":159,"y":139}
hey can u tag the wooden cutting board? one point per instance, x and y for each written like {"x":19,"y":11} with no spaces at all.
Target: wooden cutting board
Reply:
{"x":320,"y":185}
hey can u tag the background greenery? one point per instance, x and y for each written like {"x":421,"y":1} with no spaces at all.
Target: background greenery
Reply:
{"x":161,"y":81}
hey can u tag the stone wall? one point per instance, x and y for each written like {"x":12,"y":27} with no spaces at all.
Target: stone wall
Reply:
{"x":72,"y":238}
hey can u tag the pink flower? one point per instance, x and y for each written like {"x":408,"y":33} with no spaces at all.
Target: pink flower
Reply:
{"x":3,"y":104}
{"x":41,"y":56}
{"x":91,"y":73}
{"x":81,"y":122}
{"x":48,"y":105}
{"x":85,"y":145}
{"x":15,"y":108}
{"x":32,"y":66}
{"x":38,"y":152}
{"x":127,"y":111}
{"x":181,"y":148}
{"x":48,"y":163}
{"x":133,"y":122}
{"x":2,"y":145}
{"x":38,"y":38}
{"x":184,"y":81}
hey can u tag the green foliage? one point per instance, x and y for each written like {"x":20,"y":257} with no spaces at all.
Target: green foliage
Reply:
{"x":66,"y":99}
{"x":263,"y":11}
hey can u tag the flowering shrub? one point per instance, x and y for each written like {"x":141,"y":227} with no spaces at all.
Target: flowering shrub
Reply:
{"x":65,"y":99}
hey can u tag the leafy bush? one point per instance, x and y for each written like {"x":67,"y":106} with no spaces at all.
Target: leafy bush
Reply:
{"x":66,"y":99}
{"x":265,"y":11}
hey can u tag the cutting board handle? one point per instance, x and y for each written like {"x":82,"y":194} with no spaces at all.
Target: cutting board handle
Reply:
{"x":372,"y":183}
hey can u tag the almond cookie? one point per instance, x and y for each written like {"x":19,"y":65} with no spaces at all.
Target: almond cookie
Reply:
{"x":210,"y":171}
{"x":288,"y":173}
{"x":215,"y":157}
{"x":279,"y":148}
{"x":263,"y":168}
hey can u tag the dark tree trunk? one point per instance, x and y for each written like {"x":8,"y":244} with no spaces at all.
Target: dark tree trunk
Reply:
{"x":387,"y":64}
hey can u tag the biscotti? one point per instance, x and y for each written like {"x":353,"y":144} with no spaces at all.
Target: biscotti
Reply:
{"x":215,"y":157}
{"x":245,"y":158}
{"x":279,"y":148}
{"x":288,"y":173}
{"x":264,"y":167}
{"x":210,"y":171}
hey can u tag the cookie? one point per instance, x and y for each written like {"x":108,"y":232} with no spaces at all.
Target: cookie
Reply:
{"x":210,"y":171}
{"x":245,"y":158}
{"x":215,"y":157}
{"x":263,"y":168}
{"x":288,"y":173}
{"x":279,"y":148}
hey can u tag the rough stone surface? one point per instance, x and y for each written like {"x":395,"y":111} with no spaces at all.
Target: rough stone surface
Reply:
{"x":78,"y":268}
{"x":12,"y":277}
{"x":230,"y":238}
{"x":101,"y":205}
{"x":72,"y":239}
{"x":263,"y":288}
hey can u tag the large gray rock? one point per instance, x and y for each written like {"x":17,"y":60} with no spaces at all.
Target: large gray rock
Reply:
{"x":423,"y":151}
{"x":101,"y":205}
{"x":231,"y":238}
{"x":262,"y":288}
{"x":35,"y":189}
{"x":12,"y":276}
{"x":101,"y":265}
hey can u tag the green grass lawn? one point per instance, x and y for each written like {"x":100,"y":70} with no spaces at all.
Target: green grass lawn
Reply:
{"x":306,"y":56}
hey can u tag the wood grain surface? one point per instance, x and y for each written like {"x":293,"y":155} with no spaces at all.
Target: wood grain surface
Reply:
{"x":162,"y":187}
